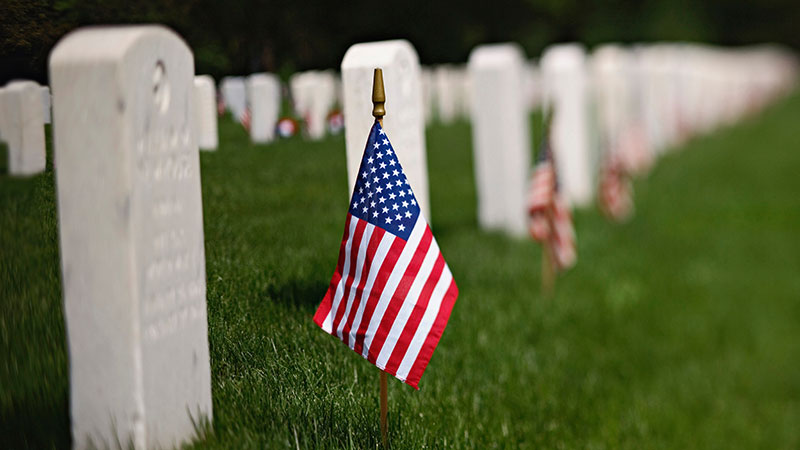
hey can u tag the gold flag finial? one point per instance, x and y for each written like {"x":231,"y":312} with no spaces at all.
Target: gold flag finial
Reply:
{"x":378,"y":96}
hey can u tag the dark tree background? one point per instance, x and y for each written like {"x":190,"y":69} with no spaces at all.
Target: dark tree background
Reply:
{"x":245,"y":36}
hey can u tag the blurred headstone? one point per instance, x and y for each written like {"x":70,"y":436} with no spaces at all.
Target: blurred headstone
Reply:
{"x":205,"y":112}
{"x":264,"y":98}
{"x":404,"y":120}
{"x":501,"y":136}
{"x":234,"y":94}
{"x":22,"y":118}
{"x":567,"y":98}
{"x":314,"y":95}
{"x":131,"y":229}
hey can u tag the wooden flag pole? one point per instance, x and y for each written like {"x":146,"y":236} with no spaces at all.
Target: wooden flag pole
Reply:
{"x":378,"y":111}
{"x":548,"y":270}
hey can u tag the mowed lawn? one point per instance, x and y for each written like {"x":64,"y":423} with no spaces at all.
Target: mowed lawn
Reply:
{"x":680,"y":329}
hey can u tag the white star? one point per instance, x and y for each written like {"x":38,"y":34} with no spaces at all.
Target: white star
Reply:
{"x":364,"y":174}
{"x":395,"y":206}
{"x":392,"y":196}
{"x":381,"y":199}
{"x":399,"y":183}
{"x":372,"y":170}
{"x":408,"y":214}
{"x":372,"y":204}
{"x":395,"y":172}
{"x":364,"y":209}
{"x":379,"y":155}
{"x":382,"y":132}
{"x":355,"y":205}
{"x":388,"y":220}
{"x":401,"y":228}
{"x":385,"y":142}
{"x":402,"y":193}
{"x":385,"y":175}
{"x":383,"y":165}
{"x":376,"y":179}
{"x":389,"y":151}
{"x":378,"y":189}
{"x":405,"y":204}
{"x":375,"y":214}
{"x":376,"y":145}
{"x":397,"y":217}
{"x":391,"y":162}
{"x":406,"y":180}
{"x":385,"y":210}
{"x":360,"y":190}
{"x":413,"y":202}
{"x":367,"y":184}
{"x":369,"y":194}
{"x":369,"y":160}
{"x":389,"y":185}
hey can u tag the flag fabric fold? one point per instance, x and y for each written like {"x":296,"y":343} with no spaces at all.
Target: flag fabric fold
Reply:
{"x":392,"y":292}
{"x":550,"y":220}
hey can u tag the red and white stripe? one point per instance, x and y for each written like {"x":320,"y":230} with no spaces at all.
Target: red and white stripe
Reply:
{"x":565,"y":254}
{"x":389,"y":299}
{"x":245,"y":119}
{"x":540,"y":197}
{"x":615,"y":192}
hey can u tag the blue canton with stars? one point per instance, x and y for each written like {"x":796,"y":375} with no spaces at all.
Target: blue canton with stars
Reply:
{"x":383,"y":195}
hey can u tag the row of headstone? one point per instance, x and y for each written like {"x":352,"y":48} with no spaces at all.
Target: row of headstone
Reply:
{"x":634,"y":101}
{"x":649,"y":99}
{"x":126,"y":109}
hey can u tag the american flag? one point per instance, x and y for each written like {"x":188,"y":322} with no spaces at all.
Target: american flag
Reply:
{"x":616,"y":198}
{"x":550,"y":218}
{"x":245,"y":119}
{"x":392,"y":292}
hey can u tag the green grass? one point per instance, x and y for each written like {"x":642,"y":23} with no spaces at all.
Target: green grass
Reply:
{"x":676,"y":330}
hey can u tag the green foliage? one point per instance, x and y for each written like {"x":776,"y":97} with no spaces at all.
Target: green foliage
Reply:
{"x":238,"y":37}
{"x":676,"y":330}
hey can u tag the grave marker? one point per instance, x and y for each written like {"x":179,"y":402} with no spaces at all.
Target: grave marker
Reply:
{"x":131,"y":231}
{"x":23,"y":127}
{"x":501,"y":136}
{"x":567,"y":96}
{"x":205,"y":112}
{"x":405,"y":122}
{"x":264,"y":98}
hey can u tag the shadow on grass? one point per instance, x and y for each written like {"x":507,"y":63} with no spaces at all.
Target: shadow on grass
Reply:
{"x":44,"y":424}
{"x":301,"y":293}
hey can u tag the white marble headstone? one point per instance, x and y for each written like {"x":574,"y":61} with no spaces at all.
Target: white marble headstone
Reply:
{"x":314,"y":94}
{"x":447,"y":91}
{"x":205,"y":112}
{"x":131,"y":231}
{"x":501,"y":136}
{"x":22,"y":118}
{"x":567,"y":96}
{"x":404,"y":121}
{"x":234,"y":95}
{"x":264,"y":98}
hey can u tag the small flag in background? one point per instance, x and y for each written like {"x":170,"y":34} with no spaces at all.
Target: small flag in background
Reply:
{"x":220,"y":105}
{"x":616,"y":198}
{"x":550,"y":218}
{"x":245,"y":119}
{"x":392,"y":292}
